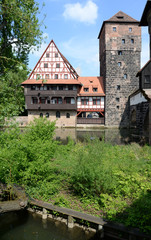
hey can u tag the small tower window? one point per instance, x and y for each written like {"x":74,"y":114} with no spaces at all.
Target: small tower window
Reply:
{"x":114,"y":29}
{"x":132,"y":41}
{"x":45,"y":65}
{"x":125,"y":76}
{"x":117,"y":107}
{"x":118,"y":87}
{"x":68,"y":115}
{"x":123,"y":41}
{"x":57,"y":114}
{"x":57,"y":65}
{"x":119,"y":64}
{"x":56,"y":76}
{"x":47,"y":55}
{"x":119,"y":52}
{"x":130,"y":29}
{"x":117,"y":99}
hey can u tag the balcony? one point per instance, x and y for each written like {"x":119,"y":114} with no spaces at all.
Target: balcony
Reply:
{"x":90,"y":121}
{"x":52,"y":93}
{"x":62,"y":106}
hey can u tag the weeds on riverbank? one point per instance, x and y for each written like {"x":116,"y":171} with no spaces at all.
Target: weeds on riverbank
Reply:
{"x":96,"y":177}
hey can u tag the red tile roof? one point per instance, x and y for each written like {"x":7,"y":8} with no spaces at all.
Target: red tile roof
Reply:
{"x":92,"y":82}
{"x":51,"y":81}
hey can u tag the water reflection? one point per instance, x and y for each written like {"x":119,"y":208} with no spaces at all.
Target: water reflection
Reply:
{"x":114,"y":136}
{"x":24,"y":226}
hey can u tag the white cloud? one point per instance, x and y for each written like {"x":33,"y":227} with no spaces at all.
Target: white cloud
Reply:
{"x":83,"y":13}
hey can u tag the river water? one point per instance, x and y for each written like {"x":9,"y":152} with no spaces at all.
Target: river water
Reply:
{"x":23,"y":225}
{"x":114,"y":136}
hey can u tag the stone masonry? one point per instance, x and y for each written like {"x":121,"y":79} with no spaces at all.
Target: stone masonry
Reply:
{"x":120,"y":47}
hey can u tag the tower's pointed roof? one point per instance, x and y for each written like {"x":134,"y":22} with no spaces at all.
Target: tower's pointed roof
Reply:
{"x":147,"y":8}
{"x":52,"y":63}
{"x":119,"y":17}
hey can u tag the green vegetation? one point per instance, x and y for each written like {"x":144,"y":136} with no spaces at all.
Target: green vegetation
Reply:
{"x":19,"y":33}
{"x":95,"y":177}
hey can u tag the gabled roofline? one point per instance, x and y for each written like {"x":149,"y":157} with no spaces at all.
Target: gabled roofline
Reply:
{"x":138,"y":74}
{"x":65,"y":60}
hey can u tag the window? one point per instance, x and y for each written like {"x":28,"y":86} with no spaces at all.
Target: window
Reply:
{"x":118,"y":87}
{"x":120,"y":17}
{"x":147,"y":79}
{"x":125,"y":76}
{"x":70,"y":87}
{"x":48,"y":100}
{"x":57,"y":114}
{"x":119,"y":64}
{"x":47,"y":115}
{"x":132,"y":41}
{"x":57,"y":65}
{"x":68,"y":100}
{"x":45,"y":65}
{"x":86,"y":89}
{"x":56,"y":76}
{"x":117,"y":107}
{"x":117,"y":99}
{"x":56,"y":55}
{"x":33,"y":87}
{"x":37,"y":87}
{"x":95,"y":89}
{"x":114,"y":29}
{"x":54,"y":88}
{"x":68,"y":115}
{"x":42,"y":100}
{"x":47,"y":76}
{"x":37,"y":76}
{"x":66,"y":76}
{"x":94,"y":101}
{"x":119,"y":52}
{"x":123,"y":41}
{"x":34,"y":100}
{"x":130,"y":29}
{"x":60,"y":87}
{"x":47,"y":55}
{"x":41,"y":114}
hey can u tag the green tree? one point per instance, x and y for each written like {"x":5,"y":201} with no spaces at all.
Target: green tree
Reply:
{"x":19,"y":31}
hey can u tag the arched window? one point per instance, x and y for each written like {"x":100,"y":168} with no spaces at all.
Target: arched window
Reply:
{"x":57,"y":114}
{"x":41,"y":114}
{"x":68,"y":115}
{"x":47,"y":115}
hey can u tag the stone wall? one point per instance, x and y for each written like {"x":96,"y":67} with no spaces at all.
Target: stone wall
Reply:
{"x":120,"y":69}
{"x":63,"y":121}
{"x":139,"y":118}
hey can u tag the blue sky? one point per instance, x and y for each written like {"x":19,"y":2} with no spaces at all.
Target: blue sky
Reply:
{"x":74,"y":26}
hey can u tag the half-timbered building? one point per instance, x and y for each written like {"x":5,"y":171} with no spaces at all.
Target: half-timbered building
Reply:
{"x":55,"y":90}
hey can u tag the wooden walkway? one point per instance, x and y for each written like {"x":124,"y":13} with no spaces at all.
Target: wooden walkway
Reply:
{"x":69,"y":212}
